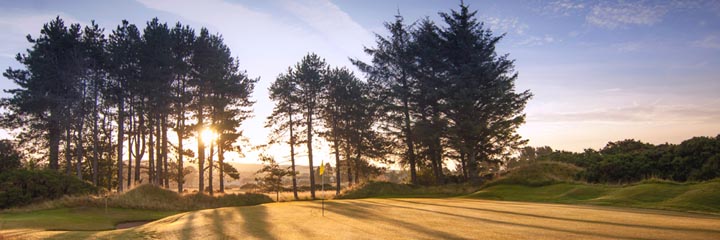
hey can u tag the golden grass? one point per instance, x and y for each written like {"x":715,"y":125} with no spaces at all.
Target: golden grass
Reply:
{"x":449,"y":218}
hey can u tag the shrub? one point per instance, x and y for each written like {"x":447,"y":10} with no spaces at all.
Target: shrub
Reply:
{"x":22,"y":187}
{"x":539,"y":173}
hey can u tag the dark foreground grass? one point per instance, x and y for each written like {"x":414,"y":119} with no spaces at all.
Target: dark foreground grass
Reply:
{"x":78,"y":219}
{"x":701,"y":197}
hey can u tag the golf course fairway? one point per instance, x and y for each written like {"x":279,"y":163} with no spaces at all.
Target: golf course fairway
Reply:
{"x":447,"y":218}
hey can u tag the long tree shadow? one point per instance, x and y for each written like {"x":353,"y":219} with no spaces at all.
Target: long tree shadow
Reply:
{"x":255,"y":221}
{"x":357,"y":210}
{"x":591,"y":234}
{"x":563,"y":218}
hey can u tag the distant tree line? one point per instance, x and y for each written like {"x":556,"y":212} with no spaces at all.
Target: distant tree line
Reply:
{"x":695,"y":159}
{"x":106,"y":103}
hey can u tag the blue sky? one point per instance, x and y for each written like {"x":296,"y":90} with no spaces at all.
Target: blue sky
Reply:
{"x":600,"y":70}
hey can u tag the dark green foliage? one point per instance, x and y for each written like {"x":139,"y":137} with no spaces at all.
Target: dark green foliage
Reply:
{"x":22,"y":187}
{"x":626,"y":161}
{"x":9,"y":156}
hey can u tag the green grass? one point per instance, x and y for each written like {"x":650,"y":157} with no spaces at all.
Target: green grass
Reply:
{"x":78,"y":219}
{"x":539,"y":174}
{"x":393,"y":190}
{"x":704,"y":197}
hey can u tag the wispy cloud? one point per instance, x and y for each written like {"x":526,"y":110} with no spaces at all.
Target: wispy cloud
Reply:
{"x":651,"y":113}
{"x":565,"y":7}
{"x":506,"y":25}
{"x":18,"y":23}
{"x":621,"y":14}
{"x":711,"y":42}
{"x":538,"y":41}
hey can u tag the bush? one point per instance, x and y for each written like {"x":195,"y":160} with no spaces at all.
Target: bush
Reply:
{"x":539,"y":173}
{"x":22,"y":187}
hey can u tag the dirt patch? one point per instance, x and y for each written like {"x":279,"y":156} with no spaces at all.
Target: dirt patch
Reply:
{"x":130,"y":224}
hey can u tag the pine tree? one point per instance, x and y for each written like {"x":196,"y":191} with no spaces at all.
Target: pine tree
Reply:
{"x":483,"y":108}
{"x":389,"y":74}
{"x":283,"y":118}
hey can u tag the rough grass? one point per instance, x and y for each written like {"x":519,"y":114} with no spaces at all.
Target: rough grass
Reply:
{"x":417,"y":218}
{"x":539,"y":174}
{"x":704,"y":197}
{"x":150,"y":197}
{"x":79,"y":219}
{"x":393,"y":190}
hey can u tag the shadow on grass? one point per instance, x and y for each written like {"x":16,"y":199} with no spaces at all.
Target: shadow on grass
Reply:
{"x":562,"y":218}
{"x":487,"y":220}
{"x":186,"y":232}
{"x":357,"y":210}
{"x":255,"y":221}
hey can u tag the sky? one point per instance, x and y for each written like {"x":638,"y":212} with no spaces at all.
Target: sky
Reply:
{"x":599,"y":71}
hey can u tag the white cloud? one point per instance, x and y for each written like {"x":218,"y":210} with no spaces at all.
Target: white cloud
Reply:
{"x":505,"y":25}
{"x":621,"y":14}
{"x":712,"y":42}
{"x":565,"y":7}
{"x":16,"y":24}
{"x":538,"y":41}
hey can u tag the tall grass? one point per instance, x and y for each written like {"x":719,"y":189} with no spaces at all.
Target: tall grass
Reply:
{"x":150,"y":197}
{"x":387,"y":190}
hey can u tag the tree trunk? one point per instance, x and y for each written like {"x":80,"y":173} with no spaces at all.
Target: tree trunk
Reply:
{"x":201,"y":153}
{"x":310,"y":155}
{"x":292,"y":157}
{"x":68,"y":155}
{"x":348,"y":164}
{"x":166,"y":175}
{"x":472,"y":166}
{"x":131,"y":133}
{"x":210,"y":168}
{"x":158,"y":152}
{"x":337,"y":157}
{"x":96,"y":139}
{"x":139,"y":146}
{"x":180,"y":133}
{"x":221,"y":165}
{"x":121,"y":140}
{"x":54,"y":136}
{"x":79,"y":150}
{"x":151,"y":151}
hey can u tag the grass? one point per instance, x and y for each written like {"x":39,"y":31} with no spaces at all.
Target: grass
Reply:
{"x":539,"y":174}
{"x":150,"y":197}
{"x":703,"y":197}
{"x":392,"y":190}
{"x":80,"y":219}
{"x":418,"y":218}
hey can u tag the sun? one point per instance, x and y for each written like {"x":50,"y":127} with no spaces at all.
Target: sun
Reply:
{"x":208,"y":135}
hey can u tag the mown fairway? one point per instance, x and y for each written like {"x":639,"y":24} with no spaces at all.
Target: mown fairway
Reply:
{"x":454,"y":218}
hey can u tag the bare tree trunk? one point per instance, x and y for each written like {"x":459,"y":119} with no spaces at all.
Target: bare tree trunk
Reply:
{"x":158,"y":152}
{"x":131,"y":132}
{"x":221,"y":160}
{"x":151,"y":151}
{"x":96,"y":139}
{"x":68,"y":153}
{"x":210,"y":168}
{"x":139,"y":146}
{"x":201,"y":152}
{"x":54,"y":135}
{"x":79,"y":150}
{"x":310,"y":155}
{"x":180,"y":134}
{"x":121,"y":140}
{"x":292,"y":157}
{"x":349,"y":165}
{"x":166,"y":175}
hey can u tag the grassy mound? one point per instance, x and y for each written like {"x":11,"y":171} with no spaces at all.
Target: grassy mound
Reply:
{"x":151,"y":197}
{"x":703,"y":196}
{"x":390,"y":190}
{"x":539,"y":174}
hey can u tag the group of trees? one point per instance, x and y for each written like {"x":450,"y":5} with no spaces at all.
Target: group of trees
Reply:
{"x":433,"y":94}
{"x":695,"y":159}
{"x":312,"y":99}
{"x":107,"y":103}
